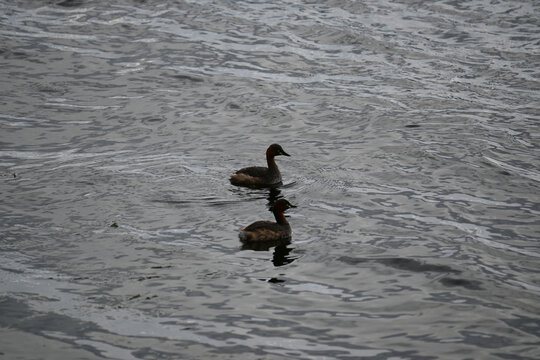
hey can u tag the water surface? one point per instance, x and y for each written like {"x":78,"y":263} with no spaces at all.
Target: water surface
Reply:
{"x":413,"y":130}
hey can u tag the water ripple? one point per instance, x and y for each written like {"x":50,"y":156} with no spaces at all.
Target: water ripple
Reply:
{"x":413,"y":134}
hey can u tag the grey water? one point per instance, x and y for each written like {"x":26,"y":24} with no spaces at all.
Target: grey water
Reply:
{"x":413,"y":129}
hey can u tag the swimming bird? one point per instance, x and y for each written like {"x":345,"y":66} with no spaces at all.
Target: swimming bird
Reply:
{"x":259,"y":176}
{"x":265,"y":231}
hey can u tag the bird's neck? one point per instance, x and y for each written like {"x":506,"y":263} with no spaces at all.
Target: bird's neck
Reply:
{"x":272,"y":166}
{"x":280,"y":218}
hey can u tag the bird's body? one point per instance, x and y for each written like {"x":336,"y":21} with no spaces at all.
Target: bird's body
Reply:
{"x":264,"y":231}
{"x":259,"y":176}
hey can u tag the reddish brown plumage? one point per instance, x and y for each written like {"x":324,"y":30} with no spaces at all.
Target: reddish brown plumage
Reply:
{"x":261,"y":231}
{"x":259,"y":176}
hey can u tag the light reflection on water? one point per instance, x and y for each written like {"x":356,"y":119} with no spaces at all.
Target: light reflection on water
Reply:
{"x":413,"y":130}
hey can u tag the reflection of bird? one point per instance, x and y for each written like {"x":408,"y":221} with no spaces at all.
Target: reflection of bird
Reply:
{"x":261,"y":231}
{"x":259,"y":176}
{"x":273,"y":195}
{"x":282,"y":251}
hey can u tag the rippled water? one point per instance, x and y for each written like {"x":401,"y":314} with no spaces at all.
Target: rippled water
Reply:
{"x":413,"y":130}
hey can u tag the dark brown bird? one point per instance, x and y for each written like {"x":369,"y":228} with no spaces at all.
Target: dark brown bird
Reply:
{"x":264,"y":231}
{"x":259,"y":176}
